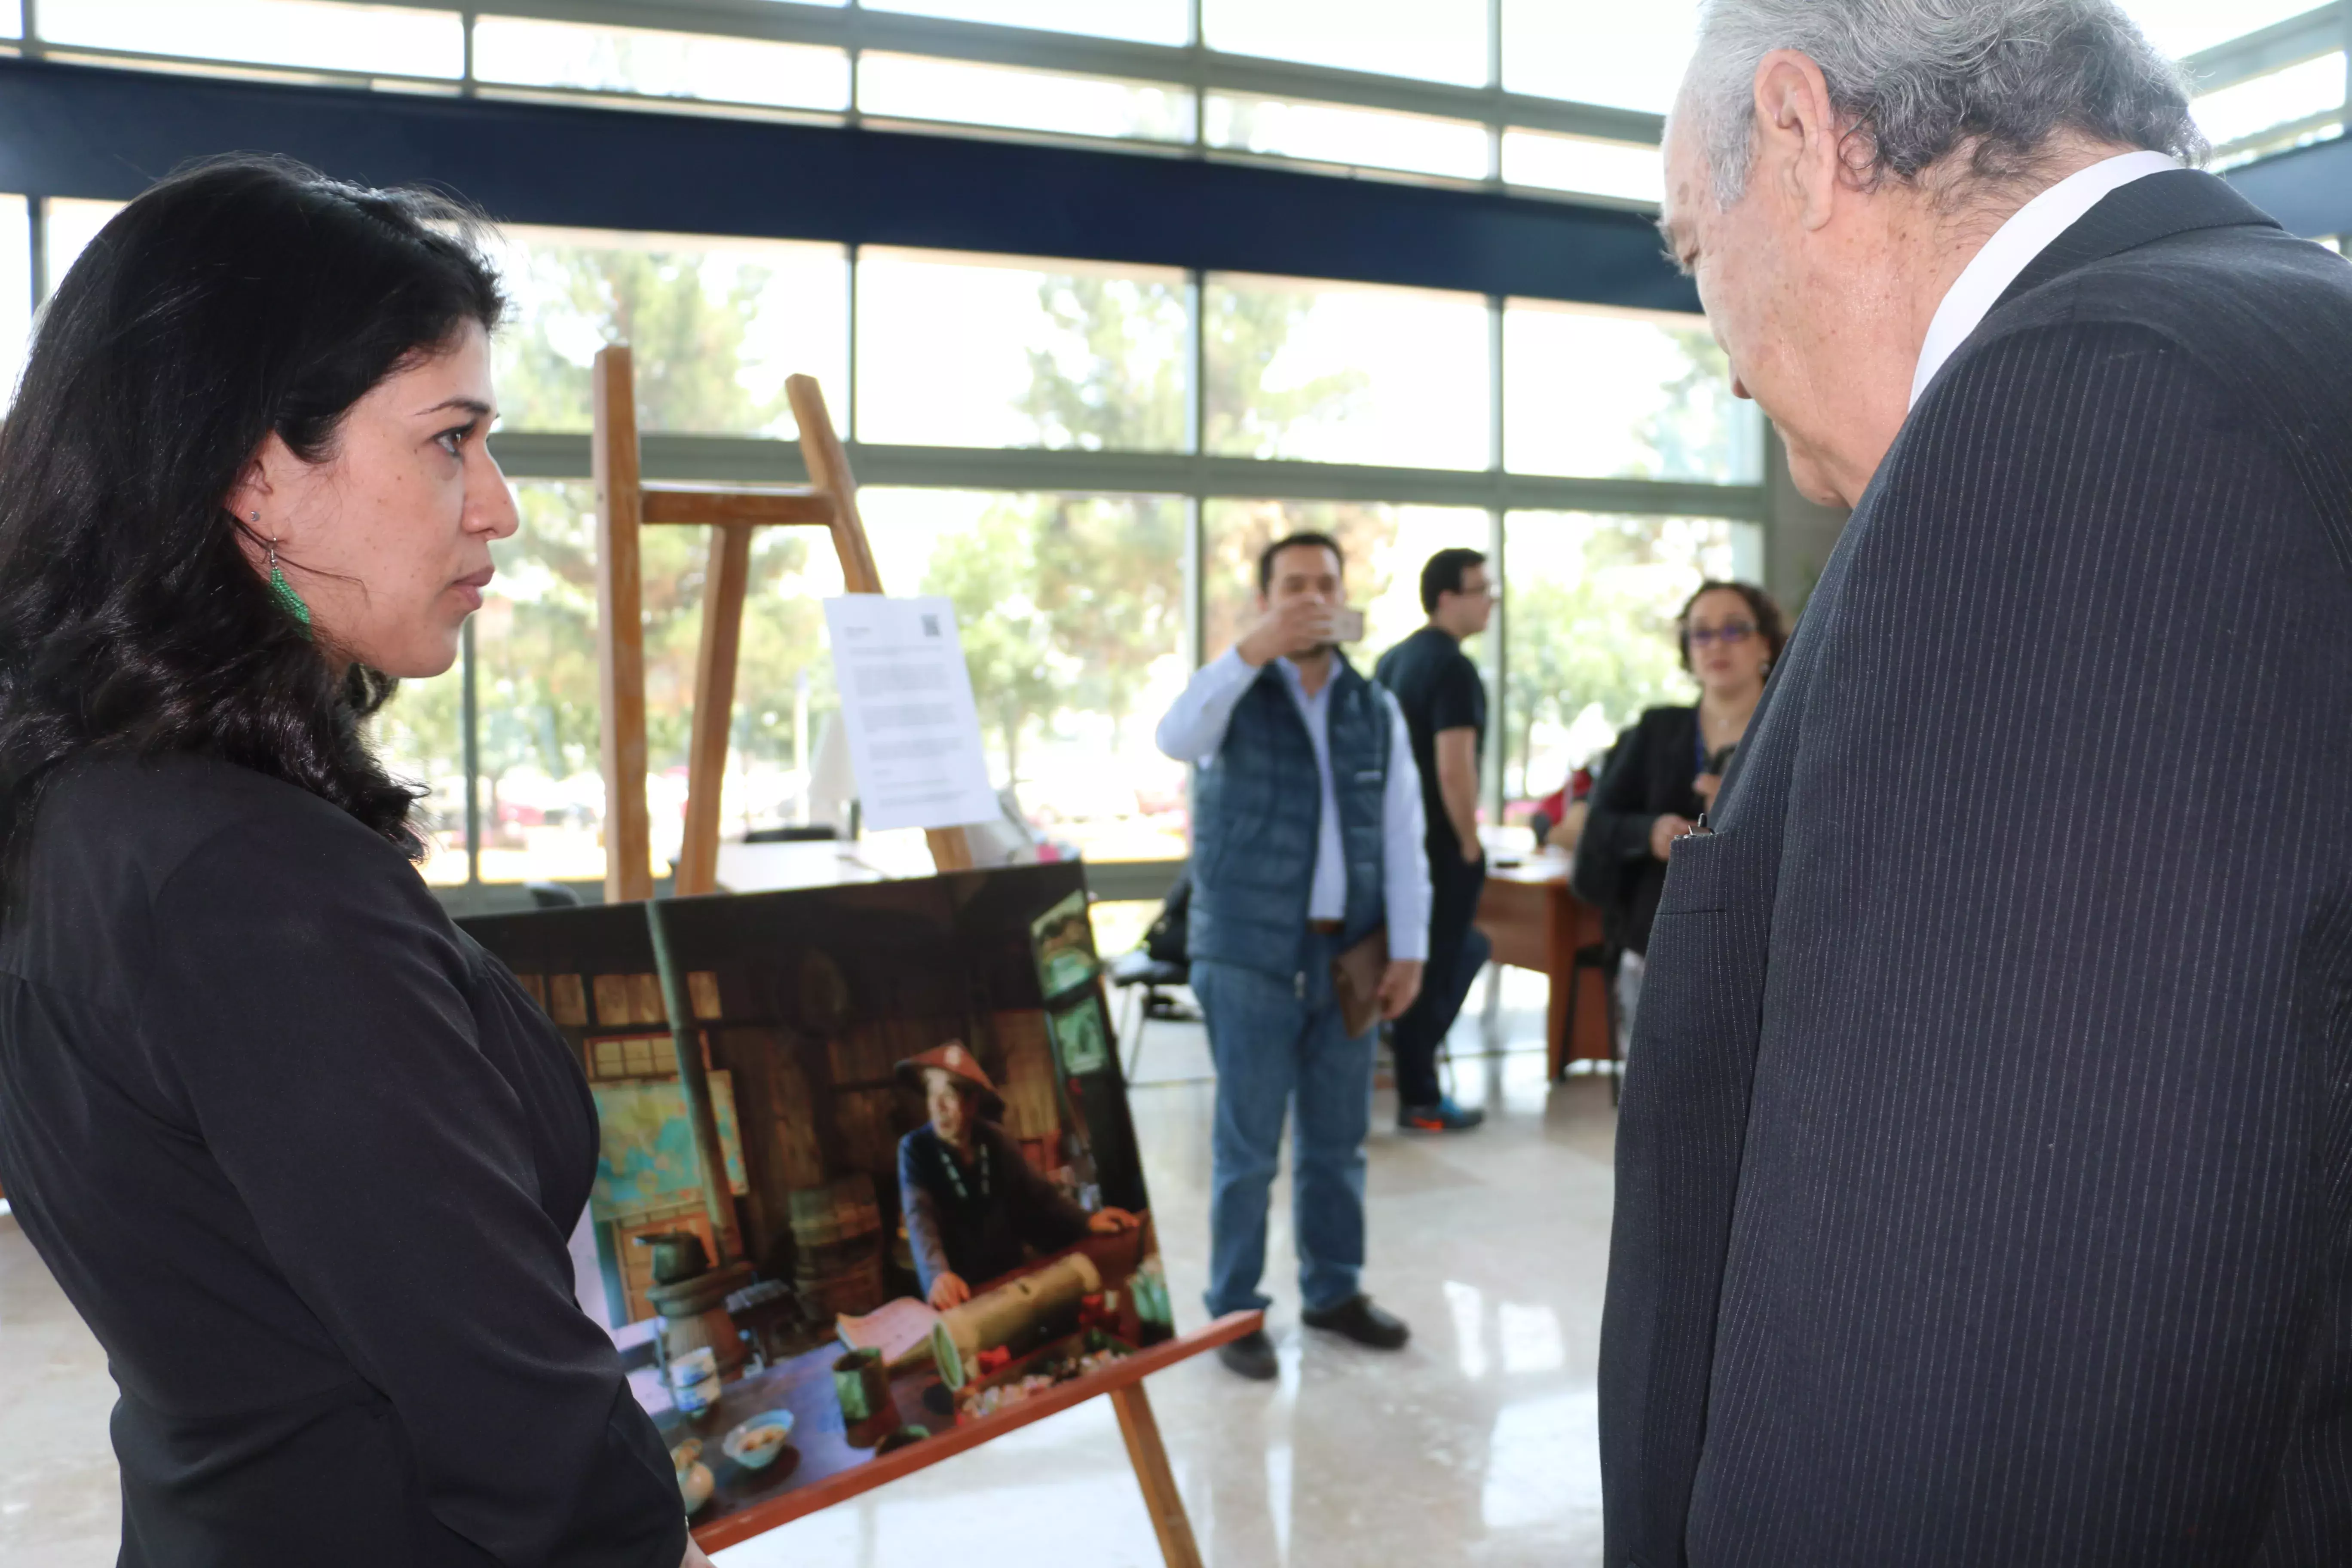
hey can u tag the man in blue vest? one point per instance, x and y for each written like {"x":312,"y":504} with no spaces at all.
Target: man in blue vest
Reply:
{"x":1306,"y":839}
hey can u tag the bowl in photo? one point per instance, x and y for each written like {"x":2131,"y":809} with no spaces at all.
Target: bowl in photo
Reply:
{"x":756,"y":1443}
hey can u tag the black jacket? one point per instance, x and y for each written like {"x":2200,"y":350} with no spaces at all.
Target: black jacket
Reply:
{"x":1985,"y":1175}
{"x":1649,"y":774}
{"x":307,"y":1160}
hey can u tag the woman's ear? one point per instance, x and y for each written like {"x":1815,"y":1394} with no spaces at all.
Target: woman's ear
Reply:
{"x":258,"y":498}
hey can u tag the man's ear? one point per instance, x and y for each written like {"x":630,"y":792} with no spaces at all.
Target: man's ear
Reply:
{"x":1799,"y":157}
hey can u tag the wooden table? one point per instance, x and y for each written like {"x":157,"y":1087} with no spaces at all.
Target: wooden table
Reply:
{"x":1535,"y":923}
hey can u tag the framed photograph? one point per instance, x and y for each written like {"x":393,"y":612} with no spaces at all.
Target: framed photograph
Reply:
{"x":930,"y":1161}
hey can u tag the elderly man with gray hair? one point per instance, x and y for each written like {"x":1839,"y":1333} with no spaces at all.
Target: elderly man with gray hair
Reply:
{"x":1985,"y":1175}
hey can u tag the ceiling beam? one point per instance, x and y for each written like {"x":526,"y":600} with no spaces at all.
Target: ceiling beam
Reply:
{"x":86,"y":131}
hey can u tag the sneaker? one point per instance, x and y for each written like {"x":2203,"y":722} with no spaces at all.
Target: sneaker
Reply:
{"x":1356,"y":1319}
{"x":1444,"y":1117}
{"x":1252,"y":1356}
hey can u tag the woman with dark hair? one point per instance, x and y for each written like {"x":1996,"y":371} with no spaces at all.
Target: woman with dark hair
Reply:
{"x":1665,"y":770}
{"x":304,"y":1157}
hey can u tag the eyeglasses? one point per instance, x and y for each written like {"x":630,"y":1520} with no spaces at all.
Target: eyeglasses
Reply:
{"x":1732,"y":633}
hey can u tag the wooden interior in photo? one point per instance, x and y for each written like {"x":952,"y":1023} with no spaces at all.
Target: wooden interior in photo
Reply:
{"x":626,"y":501}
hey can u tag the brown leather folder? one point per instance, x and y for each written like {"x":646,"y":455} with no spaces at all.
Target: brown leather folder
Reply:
{"x":1355,"y":982}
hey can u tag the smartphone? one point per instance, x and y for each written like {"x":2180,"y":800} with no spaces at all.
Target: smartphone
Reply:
{"x":1347,"y":625}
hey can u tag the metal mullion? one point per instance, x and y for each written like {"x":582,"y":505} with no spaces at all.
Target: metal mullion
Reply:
{"x":2286,"y":130}
{"x":244,"y":71}
{"x":1196,"y":580}
{"x":775,"y":20}
{"x":1495,"y":86}
{"x":29,"y":31}
{"x":855,"y":49}
{"x":765,"y":461}
{"x":1196,"y":47}
{"x":1196,"y":435}
{"x":625,"y":102}
{"x":1406,"y":95}
{"x":37,"y":232}
{"x":2317,"y":32}
{"x":1496,"y":455}
{"x":467,"y":81}
{"x":1498,"y":660}
{"x":1196,"y":372}
{"x":849,"y":360}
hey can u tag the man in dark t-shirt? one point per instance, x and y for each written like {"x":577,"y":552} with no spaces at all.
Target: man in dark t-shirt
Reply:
{"x":1444,"y":707}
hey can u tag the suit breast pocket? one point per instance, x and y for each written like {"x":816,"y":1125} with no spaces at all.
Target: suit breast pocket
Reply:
{"x":1702,"y":875}
{"x":1702,"y":991}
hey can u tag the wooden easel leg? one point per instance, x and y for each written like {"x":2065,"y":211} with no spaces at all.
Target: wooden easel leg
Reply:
{"x":620,"y":629}
{"x":725,"y":587}
{"x":1137,"y":1425}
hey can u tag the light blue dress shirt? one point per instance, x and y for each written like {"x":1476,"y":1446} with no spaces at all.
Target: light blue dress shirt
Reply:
{"x":1195,"y":728}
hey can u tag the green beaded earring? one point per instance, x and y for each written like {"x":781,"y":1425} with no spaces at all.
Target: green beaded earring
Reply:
{"x":283,"y":591}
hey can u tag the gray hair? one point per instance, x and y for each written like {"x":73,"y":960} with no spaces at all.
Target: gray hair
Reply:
{"x":1913,"y":80}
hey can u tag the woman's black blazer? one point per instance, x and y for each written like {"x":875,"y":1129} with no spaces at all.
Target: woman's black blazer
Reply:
{"x":307,"y":1160}
{"x":1648,"y":775}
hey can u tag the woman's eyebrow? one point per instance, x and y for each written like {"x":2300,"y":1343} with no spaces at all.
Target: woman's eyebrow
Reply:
{"x":473,"y":405}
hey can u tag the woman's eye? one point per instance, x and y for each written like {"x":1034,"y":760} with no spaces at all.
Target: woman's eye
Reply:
{"x":451,"y":440}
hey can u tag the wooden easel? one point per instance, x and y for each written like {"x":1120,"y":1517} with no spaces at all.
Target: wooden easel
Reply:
{"x":624,"y":502}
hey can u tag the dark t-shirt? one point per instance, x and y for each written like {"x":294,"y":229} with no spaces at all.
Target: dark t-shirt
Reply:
{"x":1438,"y":688}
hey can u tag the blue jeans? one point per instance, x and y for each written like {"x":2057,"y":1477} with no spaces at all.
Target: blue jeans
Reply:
{"x":1280,"y":1051}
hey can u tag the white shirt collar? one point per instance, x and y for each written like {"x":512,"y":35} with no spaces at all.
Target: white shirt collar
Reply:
{"x":2012,"y":249}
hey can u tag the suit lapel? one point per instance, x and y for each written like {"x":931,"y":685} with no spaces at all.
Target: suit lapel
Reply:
{"x":2130,"y":216}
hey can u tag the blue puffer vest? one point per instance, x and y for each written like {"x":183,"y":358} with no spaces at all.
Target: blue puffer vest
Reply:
{"x":1258,"y":813}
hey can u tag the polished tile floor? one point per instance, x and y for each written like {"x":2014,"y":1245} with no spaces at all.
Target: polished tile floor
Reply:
{"x":1474,"y":1445}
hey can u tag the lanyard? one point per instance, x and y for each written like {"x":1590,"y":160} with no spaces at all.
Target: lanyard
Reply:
{"x":955,"y":1173}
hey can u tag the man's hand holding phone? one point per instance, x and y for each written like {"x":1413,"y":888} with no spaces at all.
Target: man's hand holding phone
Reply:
{"x":1299,"y":627}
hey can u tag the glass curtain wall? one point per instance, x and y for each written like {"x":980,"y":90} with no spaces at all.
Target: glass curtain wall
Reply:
{"x":1076,"y":603}
{"x":1082,"y":605}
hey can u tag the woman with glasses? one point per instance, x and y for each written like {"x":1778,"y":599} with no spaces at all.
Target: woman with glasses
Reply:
{"x":1664,"y":770}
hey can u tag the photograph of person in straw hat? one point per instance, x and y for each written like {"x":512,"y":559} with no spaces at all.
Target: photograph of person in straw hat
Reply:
{"x":974,"y":1207}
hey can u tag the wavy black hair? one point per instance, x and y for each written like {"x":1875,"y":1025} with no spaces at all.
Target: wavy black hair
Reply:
{"x":238,"y":298}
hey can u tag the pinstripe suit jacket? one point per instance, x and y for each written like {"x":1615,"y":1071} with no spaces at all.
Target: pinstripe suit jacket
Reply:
{"x":1986,"y":1159}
